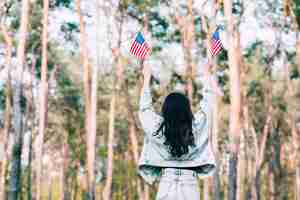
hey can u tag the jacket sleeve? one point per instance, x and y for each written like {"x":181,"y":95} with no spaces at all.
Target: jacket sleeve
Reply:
{"x":149,"y":119}
{"x":203,"y":115}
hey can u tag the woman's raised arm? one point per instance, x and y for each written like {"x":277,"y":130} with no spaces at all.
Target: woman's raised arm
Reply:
{"x":149,"y":119}
{"x":209,"y":92}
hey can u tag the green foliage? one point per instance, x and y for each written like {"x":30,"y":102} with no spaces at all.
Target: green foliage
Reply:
{"x":280,"y":103}
{"x":2,"y":98}
{"x":237,"y":7}
{"x":138,"y":7}
{"x":255,"y":89}
{"x":294,"y":73}
{"x":64,"y":3}
{"x":102,"y":152}
{"x":250,"y":51}
{"x":296,"y":9}
{"x":159,"y":27}
{"x":69,"y":29}
{"x":68,"y":91}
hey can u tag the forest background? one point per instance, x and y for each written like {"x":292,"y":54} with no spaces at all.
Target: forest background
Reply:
{"x":68,"y":101}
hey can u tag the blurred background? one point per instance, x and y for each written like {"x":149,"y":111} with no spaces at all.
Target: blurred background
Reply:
{"x":69,"y":91}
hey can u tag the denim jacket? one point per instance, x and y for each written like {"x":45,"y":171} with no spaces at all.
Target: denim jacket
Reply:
{"x":155,"y":154}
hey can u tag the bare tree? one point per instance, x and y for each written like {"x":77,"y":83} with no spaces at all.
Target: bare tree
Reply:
{"x":8,"y":108}
{"x":294,"y":132}
{"x":90,"y":131}
{"x":15,"y":172}
{"x":64,"y":191}
{"x":110,"y":154}
{"x":290,"y":11}
{"x":30,"y":111}
{"x":235,"y":99}
{"x":260,"y":146}
{"x":43,"y":99}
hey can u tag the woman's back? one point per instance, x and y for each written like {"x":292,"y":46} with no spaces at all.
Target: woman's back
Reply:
{"x":176,"y":139}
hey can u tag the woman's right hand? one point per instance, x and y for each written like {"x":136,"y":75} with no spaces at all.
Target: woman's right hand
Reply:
{"x":212,"y":81}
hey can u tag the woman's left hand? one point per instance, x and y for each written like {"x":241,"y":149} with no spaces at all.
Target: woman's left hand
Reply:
{"x":147,"y":73}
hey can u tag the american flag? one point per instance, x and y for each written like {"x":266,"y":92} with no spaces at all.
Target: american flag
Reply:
{"x":216,"y":45}
{"x":139,"y":47}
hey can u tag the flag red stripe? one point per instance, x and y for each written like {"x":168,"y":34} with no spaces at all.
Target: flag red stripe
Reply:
{"x":216,"y":47}
{"x":216,"y":50}
{"x":132,"y":47}
{"x":217,"y":44}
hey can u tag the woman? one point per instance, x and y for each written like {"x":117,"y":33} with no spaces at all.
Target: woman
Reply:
{"x":176,"y":145}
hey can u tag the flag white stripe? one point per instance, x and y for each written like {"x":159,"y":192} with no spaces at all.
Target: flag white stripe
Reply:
{"x":136,"y":47}
{"x":139,"y":51}
{"x":216,"y":47}
{"x":146,"y":50}
{"x":143,"y":51}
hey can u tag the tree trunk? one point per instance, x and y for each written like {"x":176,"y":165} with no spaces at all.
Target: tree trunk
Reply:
{"x":50,"y":183}
{"x":271,"y":187}
{"x":260,"y":146}
{"x":90,"y":133}
{"x":15,"y":173}
{"x":111,"y":131}
{"x":296,"y":157}
{"x":241,"y":168}
{"x":64,"y":190}
{"x":275,"y":161}
{"x":7,"y":124}
{"x":298,"y":57}
{"x":29,"y":180}
{"x":31,"y":112}
{"x":296,"y":138}
{"x":132,"y":134}
{"x":7,"y":118}
{"x":91,"y":143}
{"x":116,"y":87}
{"x":43,"y":100}
{"x":235,"y":98}
{"x":295,"y":132}
{"x":146,"y":192}
{"x":206,"y":188}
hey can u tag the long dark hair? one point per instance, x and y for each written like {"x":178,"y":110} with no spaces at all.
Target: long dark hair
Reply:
{"x":177,"y":124}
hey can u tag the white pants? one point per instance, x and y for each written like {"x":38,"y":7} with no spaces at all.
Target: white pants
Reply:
{"x":178,"y":184}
